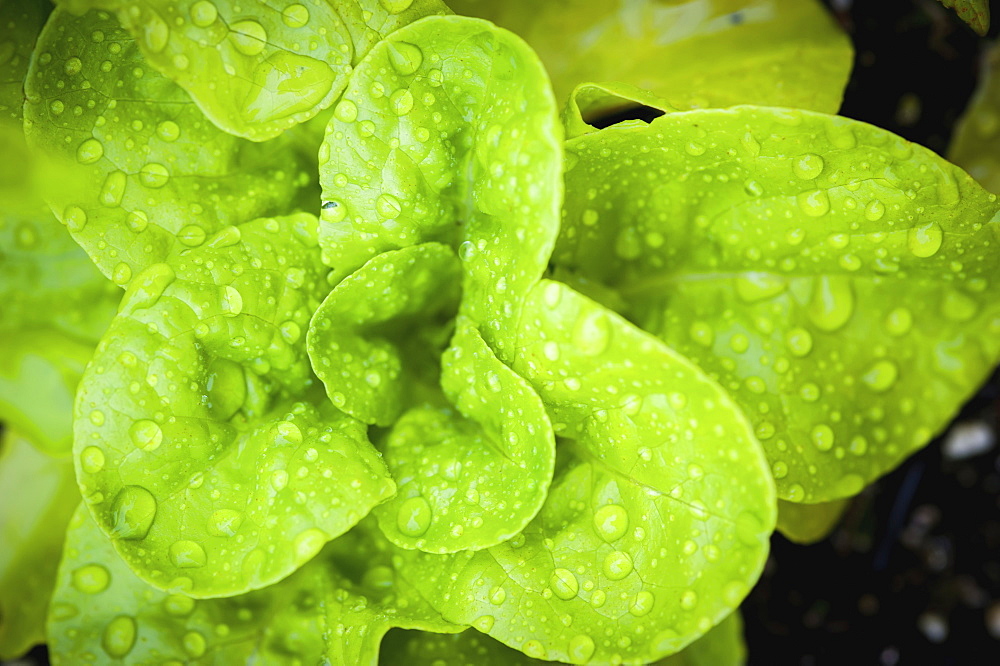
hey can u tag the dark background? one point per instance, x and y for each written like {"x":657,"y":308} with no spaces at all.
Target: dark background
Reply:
{"x":912,"y":575}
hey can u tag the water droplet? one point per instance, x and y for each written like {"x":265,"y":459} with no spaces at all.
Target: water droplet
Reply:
{"x":832,"y":303}
{"x":145,"y":435}
{"x":564,"y":584}
{"x":815,"y":203}
{"x":224,"y":522}
{"x":119,"y":636}
{"x":91,"y":579}
{"x":113,"y":190}
{"x":414,"y":517}
{"x":581,"y":648}
{"x":689,"y":600}
{"x":534,"y":649}
{"x":308,"y":543}
{"x":168,"y":131}
{"x":192,"y":235}
{"x":611,"y":522}
{"x":405,"y":57}
{"x":248,"y":37}
{"x":925,"y":241}
{"x":73,"y":66}
{"x":642,"y":604}
{"x":388,"y":206}
{"x":231,"y":301}
{"x":133,"y":511}
{"x":808,"y":166}
{"x":57,"y":107}
{"x":187,"y":554}
{"x":295,"y":16}
{"x":779,"y":469}
{"x":899,"y":321}
{"x":290,"y":332}
{"x":279,"y":479}
{"x":753,"y":188}
{"x":598,"y":598}
{"x":92,"y":460}
{"x":285,"y":433}
{"x":881,"y":376}
{"x":617,"y":565}
{"x":702,"y":333}
{"x":551,"y":350}
{"x":396,"y":6}
{"x":484,"y":623}
{"x":799,"y":341}
{"x":754,"y":287}
{"x":497,"y":596}
{"x":694,"y":149}
{"x":89,"y":151}
{"x":822,"y":437}
{"x":346,"y":111}
{"x":333,"y":212}
{"x":874,"y":210}
{"x":957,"y":306}
{"x":154,"y":175}
{"x":401,"y":101}
{"x":194,"y":644}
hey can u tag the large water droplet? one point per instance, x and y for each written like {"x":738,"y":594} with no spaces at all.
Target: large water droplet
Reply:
{"x":815,"y":203}
{"x":611,"y":522}
{"x":89,"y":151}
{"x":187,"y":554}
{"x":132,"y":512}
{"x":642,"y":604}
{"x":92,"y":460}
{"x":617,"y":565}
{"x":295,"y":16}
{"x":248,"y":37}
{"x":309,"y":542}
{"x":405,"y":57}
{"x":154,"y":175}
{"x":145,"y":435}
{"x":581,"y":648}
{"x":925,"y":241}
{"x":564,"y":584}
{"x":799,"y":341}
{"x":396,"y":6}
{"x":414,"y":517}
{"x":286,"y":433}
{"x":224,"y":522}
{"x":881,"y":376}
{"x":113,"y":190}
{"x":401,"y":101}
{"x":822,"y":437}
{"x":91,"y":579}
{"x":808,"y":166}
{"x":497,"y":596}
{"x":119,"y":636}
{"x":231,"y":301}
{"x":832,"y":303}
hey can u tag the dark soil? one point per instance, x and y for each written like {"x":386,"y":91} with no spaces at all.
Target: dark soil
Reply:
{"x":912,"y":575}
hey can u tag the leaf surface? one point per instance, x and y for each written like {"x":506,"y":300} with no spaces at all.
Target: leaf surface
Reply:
{"x":806,"y":524}
{"x":473,"y":479}
{"x":812,"y":264}
{"x":660,"y":516}
{"x":974,"y":12}
{"x":40,"y":496}
{"x":199,"y":448}
{"x":254,"y":69}
{"x":148,"y":173}
{"x":694,"y":53}
{"x":448,"y":133}
{"x":976,"y":141}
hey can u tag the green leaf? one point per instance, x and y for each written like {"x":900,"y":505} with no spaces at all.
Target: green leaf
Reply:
{"x":336,"y":609}
{"x":976,"y":141}
{"x":40,"y":495}
{"x":974,"y":12}
{"x":149,"y":172}
{"x":806,"y":524}
{"x":447,"y":132}
{"x":254,"y":69}
{"x":694,"y":53}
{"x":372,"y":340}
{"x":198,"y":445}
{"x":722,"y":646}
{"x":23,"y":20}
{"x":473,"y":482}
{"x":660,"y":520}
{"x":833,"y":277}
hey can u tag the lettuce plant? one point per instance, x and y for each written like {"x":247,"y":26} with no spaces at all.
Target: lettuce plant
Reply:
{"x":336,"y":318}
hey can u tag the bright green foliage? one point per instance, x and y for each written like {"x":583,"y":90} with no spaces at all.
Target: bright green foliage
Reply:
{"x":808,"y":523}
{"x":255,"y":71}
{"x":545,"y":392}
{"x":447,"y":132}
{"x":974,"y":12}
{"x":722,"y":646}
{"x":829,"y":265}
{"x":336,"y":607}
{"x":602,"y":551}
{"x":39,"y":496}
{"x":192,"y":448}
{"x":474,"y":482}
{"x":975,"y":145}
{"x":152,"y":173}
{"x":694,"y":53}
{"x":22,"y":21}
{"x":373,"y":340}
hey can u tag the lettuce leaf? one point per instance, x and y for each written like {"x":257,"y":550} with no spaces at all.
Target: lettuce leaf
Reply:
{"x":812,"y":264}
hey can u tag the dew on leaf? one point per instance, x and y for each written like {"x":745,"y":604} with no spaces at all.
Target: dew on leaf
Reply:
{"x":119,"y":636}
{"x":564,"y":584}
{"x":295,"y":16}
{"x":90,"y":151}
{"x":145,"y":435}
{"x":248,"y":37}
{"x":414,"y":517}
{"x":924,"y":241}
{"x":224,"y":522}
{"x":404,"y":57}
{"x":497,"y":596}
{"x":617,"y":565}
{"x":808,"y":166}
{"x":92,"y":460}
{"x":881,"y":376}
{"x":133,"y":511}
{"x":185,"y":554}
{"x":831,"y":304}
{"x":154,"y":175}
{"x":815,"y":203}
{"x":91,"y":579}
{"x":822,"y":437}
